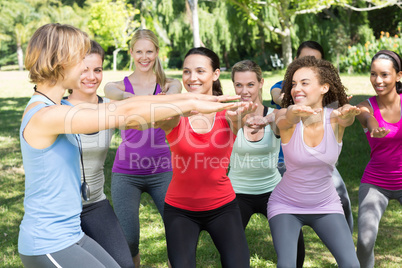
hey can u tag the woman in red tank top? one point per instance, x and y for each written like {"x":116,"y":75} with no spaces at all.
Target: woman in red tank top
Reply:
{"x":200,"y":195}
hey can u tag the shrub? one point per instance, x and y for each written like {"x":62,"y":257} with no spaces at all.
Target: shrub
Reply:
{"x":358,"y":57}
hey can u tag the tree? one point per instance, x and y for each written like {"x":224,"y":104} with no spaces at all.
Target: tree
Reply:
{"x":112,"y":23}
{"x":285,"y":11}
{"x":195,"y":23}
{"x":282,"y":21}
{"x":21,"y":18}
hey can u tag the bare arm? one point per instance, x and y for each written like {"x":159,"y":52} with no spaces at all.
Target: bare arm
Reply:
{"x":116,"y":91}
{"x":169,"y":124}
{"x":49,"y":122}
{"x":277,"y":95}
{"x":367,"y":120}
{"x":235,"y":117}
{"x":173,"y":86}
{"x":287,"y":118}
{"x":343,"y":117}
{"x":346,"y":115}
{"x":259,"y":122}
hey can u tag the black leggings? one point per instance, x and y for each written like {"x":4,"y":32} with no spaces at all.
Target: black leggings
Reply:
{"x":99,"y":222}
{"x":250,"y":204}
{"x":183,"y":228}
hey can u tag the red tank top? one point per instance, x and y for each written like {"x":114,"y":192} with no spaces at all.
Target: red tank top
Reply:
{"x":200,"y":163}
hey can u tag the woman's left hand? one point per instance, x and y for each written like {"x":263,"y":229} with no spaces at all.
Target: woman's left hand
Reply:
{"x":258,"y":122}
{"x":239,"y":112}
{"x":347,"y":111}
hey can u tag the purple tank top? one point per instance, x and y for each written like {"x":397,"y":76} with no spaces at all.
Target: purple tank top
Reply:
{"x":385,"y":166}
{"x":307,"y":186}
{"x":142,"y":152}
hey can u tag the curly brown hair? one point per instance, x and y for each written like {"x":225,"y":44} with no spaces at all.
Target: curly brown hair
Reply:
{"x":326,"y":74}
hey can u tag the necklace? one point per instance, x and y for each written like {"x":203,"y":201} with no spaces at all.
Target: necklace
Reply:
{"x":85,"y":191}
{"x":37,"y":91}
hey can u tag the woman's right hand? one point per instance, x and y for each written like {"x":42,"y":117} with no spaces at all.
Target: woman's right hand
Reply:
{"x":217,"y":105}
{"x":379,"y":132}
{"x":221,"y":98}
{"x":302,"y":110}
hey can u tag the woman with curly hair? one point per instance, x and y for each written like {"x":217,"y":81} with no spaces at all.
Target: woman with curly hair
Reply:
{"x":311,"y":126}
{"x":312,"y":48}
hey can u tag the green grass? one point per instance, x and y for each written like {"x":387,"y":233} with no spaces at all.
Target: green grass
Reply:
{"x":15,"y":91}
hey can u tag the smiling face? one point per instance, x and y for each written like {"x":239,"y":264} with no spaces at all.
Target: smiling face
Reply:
{"x":306,"y":89}
{"x":144,"y":54}
{"x":383,"y":76}
{"x":247,"y":86}
{"x":198,"y":75}
{"x":92,"y":77}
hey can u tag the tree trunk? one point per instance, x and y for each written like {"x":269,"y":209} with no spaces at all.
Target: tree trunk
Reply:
{"x":226,"y":59}
{"x":20,"y":57}
{"x":115,"y":58}
{"x":196,"y":28}
{"x":286,"y":48}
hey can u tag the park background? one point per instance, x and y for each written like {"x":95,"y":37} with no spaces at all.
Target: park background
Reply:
{"x":351,"y":32}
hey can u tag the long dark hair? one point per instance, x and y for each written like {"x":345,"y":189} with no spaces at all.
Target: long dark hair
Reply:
{"x":396,"y":62}
{"x":215,"y":64}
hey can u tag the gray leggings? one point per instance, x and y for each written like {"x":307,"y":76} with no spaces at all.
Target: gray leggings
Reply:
{"x":373,"y":201}
{"x":331,"y":228}
{"x":126,"y":196}
{"x":344,"y":196}
{"x":85,"y":253}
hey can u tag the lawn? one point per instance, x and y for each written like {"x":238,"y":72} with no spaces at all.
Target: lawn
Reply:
{"x":15,"y":91}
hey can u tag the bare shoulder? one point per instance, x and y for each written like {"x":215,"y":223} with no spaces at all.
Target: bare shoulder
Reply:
{"x":365,"y":106}
{"x":48,"y":120}
{"x":115,"y":84}
{"x":173,"y":86}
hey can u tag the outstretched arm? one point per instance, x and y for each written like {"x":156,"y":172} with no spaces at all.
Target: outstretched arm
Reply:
{"x":343,"y":117}
{"x":346,"y":114}
{"x":116,"y":91}
{"x":49,"y":122}
{"x":234,"y":117}
{"x":259,"y":122}
{"x":289,"y":117}
{"x":367,"y":120}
